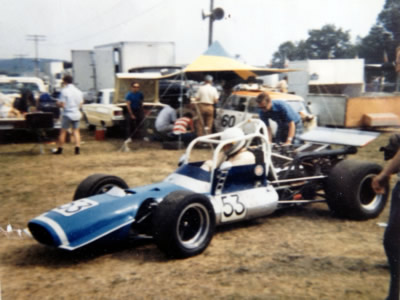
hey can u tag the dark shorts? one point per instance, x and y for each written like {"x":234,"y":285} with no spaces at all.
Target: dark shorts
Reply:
{"x":66,"y":123}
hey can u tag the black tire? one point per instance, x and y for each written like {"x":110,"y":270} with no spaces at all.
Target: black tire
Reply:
{"x":98,"y":184}
{"x":349,"y":193}
{"x":183,"y":224}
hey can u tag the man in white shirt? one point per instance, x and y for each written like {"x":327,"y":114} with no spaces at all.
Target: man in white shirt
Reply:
{"x":70,"y":101}
{"x":206,"y":97}
{"x":283,"y":85}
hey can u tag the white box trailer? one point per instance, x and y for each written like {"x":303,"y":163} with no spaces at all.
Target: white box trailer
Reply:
{"x":83,"y":70}
{"x":327,"y":76}
{"x":120,"y":57}
{"x":54,"y":71}
{"x":334,"y":89}
{"x":366,"y":110}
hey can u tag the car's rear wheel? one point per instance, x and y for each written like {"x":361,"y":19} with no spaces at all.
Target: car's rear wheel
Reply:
{"x":183,"y":224}
{"x":98,"y":184}
{"x":349,"y":193}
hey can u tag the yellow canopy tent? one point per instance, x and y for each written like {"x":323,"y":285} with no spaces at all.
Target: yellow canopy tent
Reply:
{"x":218,"y":63}
{"x":215,"y":61}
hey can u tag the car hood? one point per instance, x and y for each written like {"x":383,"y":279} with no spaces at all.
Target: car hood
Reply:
{"x":83,"y":221}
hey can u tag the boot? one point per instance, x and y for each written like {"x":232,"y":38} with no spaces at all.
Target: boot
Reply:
{"x":77,"y":150}
{"x":58,"y":151}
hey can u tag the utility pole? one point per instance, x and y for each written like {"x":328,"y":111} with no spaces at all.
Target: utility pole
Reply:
{"x":36,"y":38}
{"x":213,"y":15}
{"x":210,"y":26}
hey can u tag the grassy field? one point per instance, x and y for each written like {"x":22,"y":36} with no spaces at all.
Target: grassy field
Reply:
{"x":302,"y":253}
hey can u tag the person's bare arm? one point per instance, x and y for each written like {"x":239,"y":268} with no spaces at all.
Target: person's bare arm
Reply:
{"x":269,"y":133}
{"x":291,"y":132}
{"x":380,"y":182}
{"x":128,"y":106}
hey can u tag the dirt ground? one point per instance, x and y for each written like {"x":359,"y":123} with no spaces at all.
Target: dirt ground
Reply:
{"x":301,"y":253}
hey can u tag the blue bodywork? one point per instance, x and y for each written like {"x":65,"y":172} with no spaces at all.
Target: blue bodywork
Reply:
{"x":83,"y":221}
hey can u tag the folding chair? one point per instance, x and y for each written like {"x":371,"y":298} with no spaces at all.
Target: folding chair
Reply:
{"x":38,"y":123}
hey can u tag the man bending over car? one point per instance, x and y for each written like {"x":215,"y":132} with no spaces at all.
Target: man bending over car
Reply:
{"x":290,"y":126}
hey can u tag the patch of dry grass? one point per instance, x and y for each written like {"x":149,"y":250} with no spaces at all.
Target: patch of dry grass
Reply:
{"x":302,"y":253}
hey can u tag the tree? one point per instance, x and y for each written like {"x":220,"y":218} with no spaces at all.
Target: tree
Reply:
{"x":389,"y":18}
{"x":384,"y":36}
{"x":327,"y":42}
{"x":372,"y":48}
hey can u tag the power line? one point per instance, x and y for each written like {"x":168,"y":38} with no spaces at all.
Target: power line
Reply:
{"x":36,"y":38}
{"x":123,"y":22}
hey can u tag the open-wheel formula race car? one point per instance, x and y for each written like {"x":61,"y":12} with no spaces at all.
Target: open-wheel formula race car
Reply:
{"x":181,"y":212}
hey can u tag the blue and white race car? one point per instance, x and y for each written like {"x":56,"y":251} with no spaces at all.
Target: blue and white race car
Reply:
{"x":181,"y":212}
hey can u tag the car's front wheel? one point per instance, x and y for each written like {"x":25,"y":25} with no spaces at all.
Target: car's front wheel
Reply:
{"x":183,"y":224}
{"x":98,"y":184}
{"x":349,"y":193}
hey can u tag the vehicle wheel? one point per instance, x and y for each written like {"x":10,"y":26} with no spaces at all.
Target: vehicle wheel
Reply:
{"x":98,"y":184}
{"x":349,"y":193}
{"x":183,"y":224}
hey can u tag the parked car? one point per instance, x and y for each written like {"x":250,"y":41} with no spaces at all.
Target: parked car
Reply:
{"x":181,"y":212}
{"x":241,"y":105}
{"x":14,"y":85}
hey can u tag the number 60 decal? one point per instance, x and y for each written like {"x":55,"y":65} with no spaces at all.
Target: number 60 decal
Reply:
{"x":228,"y":121}
{"x":233,"y":208}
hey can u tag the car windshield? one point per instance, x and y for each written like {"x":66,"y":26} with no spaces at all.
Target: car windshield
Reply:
{"x":253,"y":107}
{"x":295,"y":104}
{"x":235,"y":102}
{"x":15,"y":87}
{"x":8,"y":88}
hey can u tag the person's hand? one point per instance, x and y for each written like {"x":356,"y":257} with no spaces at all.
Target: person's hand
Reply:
{"x":133,"y":117}
{"x":288,"y":142}
{"x":379,"y":184}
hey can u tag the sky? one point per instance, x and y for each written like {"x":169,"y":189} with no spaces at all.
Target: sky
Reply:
{"x":251,"y":29}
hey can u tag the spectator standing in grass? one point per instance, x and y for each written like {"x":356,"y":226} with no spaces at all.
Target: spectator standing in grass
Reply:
{"x":206,"y":97}
{"x":134,"y":103}
{"x":71,"y":100}
{"x":391,"y":238}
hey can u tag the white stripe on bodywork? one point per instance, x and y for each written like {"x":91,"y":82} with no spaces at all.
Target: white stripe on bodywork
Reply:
{"x":190,"y":183}
{"x":56,"y":227}
{"x":97,"y":237}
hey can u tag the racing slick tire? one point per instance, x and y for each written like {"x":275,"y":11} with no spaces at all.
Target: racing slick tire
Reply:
{"x":349,"y":193}
{"x":98,"y":184}
{"x":183,"y":224}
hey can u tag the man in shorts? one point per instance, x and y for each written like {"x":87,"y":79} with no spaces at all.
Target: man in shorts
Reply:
{"x":70,"y":101}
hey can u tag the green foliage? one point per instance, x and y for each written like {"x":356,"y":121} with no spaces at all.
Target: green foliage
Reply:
{"x":389,"y":17}
{"x":327,"y":42}
{"x":373,"y":46}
